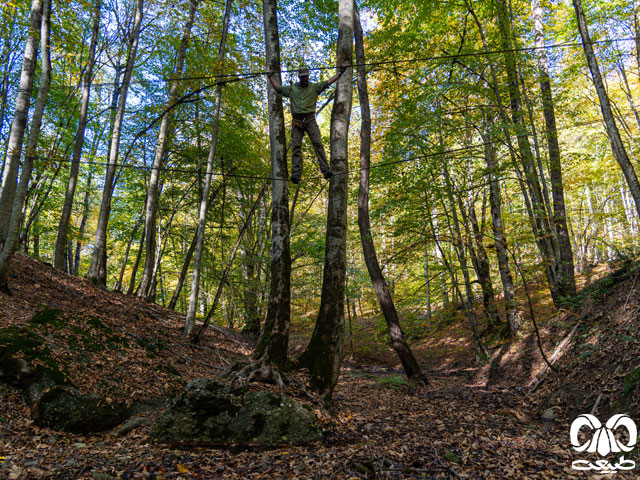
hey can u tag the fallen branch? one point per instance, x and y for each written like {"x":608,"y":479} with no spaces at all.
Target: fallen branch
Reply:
{"x":557,"y":353}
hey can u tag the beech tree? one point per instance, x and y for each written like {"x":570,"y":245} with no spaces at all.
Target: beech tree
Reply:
{"x":18,"y":126}
{"x":17,"y":212}
{"x":61,"y":240}
{"x":97,"y":271}
{"x":323,"y":355}
{"x":151,"y":203}
{"x":617,"y":145}
{"x":204,"y":204}
{"x":398,"y":341}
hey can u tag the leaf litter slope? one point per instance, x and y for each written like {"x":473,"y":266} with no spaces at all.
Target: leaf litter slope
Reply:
{"x":384,"y":427}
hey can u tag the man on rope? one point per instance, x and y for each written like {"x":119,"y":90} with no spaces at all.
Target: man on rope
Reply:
{"x":304,"y":96}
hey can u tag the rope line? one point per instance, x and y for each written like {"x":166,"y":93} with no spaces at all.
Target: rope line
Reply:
{"x":225,"y":78}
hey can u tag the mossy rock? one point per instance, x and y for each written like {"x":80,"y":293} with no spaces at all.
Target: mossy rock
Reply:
{"x":200,"y":414}
{"x":209,"y":412}
{"x":65,"y":408}
{"x":268,"y":418}
{"x":26,"y":363}
{"x":25,"y":357}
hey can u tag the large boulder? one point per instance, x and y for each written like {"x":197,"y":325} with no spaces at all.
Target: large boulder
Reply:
{"x":26,"y":363}
{"x":210,"y":412}
{"x":65,"y":408}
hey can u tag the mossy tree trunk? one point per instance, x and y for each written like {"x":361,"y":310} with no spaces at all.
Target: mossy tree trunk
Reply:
{"x":274,"y":341}
{"x":323,"y":355}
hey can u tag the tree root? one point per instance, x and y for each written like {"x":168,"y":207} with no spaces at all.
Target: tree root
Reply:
{"x":245,"y":372}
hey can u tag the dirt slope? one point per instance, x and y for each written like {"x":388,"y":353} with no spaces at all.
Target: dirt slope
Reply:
{"x":466,"y":424}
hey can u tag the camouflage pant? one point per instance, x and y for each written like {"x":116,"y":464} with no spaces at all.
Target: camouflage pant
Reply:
{"x":298,"y":127}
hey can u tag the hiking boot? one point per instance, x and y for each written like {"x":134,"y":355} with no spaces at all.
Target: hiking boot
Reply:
{"x":295,"y":179}
{"x":327,"y":174}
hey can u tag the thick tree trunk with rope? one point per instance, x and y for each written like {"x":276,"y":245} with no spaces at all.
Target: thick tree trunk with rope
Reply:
{"x":97,"y":270}
{"x":398,"y":341}
{"x":617,"y":147}
{"x":63,"y":226}
{"x":151,"y":203}
{"x":323,"y":355}
{"x":274,"y":340}
{"x":565,"y":277}
{"x":190,"y":319}
{"x":269,"y":358}
{"x":19,"y":124}
{"x":17,"y":214}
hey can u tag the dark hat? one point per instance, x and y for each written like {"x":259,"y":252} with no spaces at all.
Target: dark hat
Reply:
{"x":303,"y":72}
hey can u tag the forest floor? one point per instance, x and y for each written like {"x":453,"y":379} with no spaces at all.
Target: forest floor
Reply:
{"x":472,"y":420}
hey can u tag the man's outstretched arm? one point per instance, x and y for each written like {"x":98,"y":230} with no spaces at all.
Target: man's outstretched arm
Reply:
{"x":274,"y":84}
{"x":343,"y":68}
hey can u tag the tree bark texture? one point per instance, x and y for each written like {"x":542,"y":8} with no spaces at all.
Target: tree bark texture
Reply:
{"x":190,"y":319}
{"x":323,"y":355}
{"x":495,"y":201}
{"x":617,"y":147}
{"x":274,"y":339}
{"x":18,"y":211}
{"x":542,"y":228}
{"x":19,"y":124}
{"x":151,"y":204}
{"x":398,"y":341}
{"x":97,"y":270}
{"x":565,"y":277}
{"x":63,"y":226}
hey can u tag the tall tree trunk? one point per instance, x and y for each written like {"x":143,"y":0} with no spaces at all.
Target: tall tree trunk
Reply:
{"x":398,"y":341}
{"x":483,"y":271}
{"x":19,"y":124}
{"x":495,"y":201}
{"x":617,"y":147}
{"x":97,"y":270}
{"x":190,"y":320}
{"x":63,"y":226}
{"x":462,"y":260}
{"x":18,"y":211}
{"x":227,"y":268}
{"x":134,"y":271}
{"x":323,"y":355}
{"x":274,"y":339}
{"x":183,"y":273}
{"x":161,"y":148}
{"x":189,"y":255}
{"x":565,"y":278}
{"x":83,"y":224}
{"x":118,"y":286}
{"x":427,"y":282}
{"x":542,"y":228}
{"x":7,"y":50}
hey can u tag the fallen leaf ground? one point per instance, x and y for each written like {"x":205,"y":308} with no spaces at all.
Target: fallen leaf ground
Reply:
{"x":469,"y":422}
